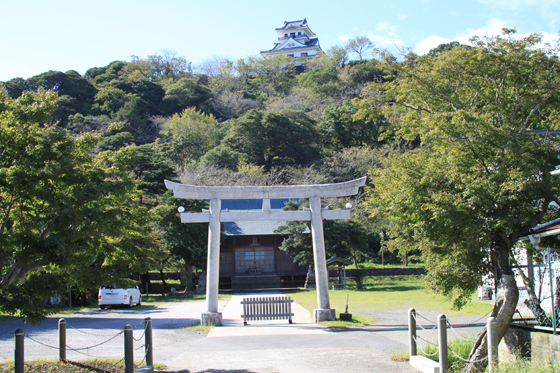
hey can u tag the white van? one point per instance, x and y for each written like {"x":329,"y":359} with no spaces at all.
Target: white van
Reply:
{"x":113,"y":296}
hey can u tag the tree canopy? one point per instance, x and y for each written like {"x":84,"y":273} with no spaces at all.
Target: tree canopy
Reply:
{"x":486,"y":118}
{"x":66,"y":217}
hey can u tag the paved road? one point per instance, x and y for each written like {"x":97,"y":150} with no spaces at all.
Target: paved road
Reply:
{"x":95,"y":326}
{"x":262,"y":346}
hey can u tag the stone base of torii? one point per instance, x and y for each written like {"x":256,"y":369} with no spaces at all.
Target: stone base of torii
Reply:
{"x":316,"y":214}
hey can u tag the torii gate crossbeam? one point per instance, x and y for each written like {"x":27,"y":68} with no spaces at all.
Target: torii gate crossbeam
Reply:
{"x":315,"y":214}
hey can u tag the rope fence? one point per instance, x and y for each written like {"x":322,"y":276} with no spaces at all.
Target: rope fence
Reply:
{"x":442,"y":347}
{"x":63,"y":346}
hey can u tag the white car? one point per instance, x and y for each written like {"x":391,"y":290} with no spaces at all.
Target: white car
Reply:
{"x":113,"y":296}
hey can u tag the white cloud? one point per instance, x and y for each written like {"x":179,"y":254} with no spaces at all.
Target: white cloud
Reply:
{"x":383,"y":26}
{"x":429,"y":43}
{"x":344,"y":38}
{"x":386,"y":36}
{"x":402,"y":17}
{"x":514,"y":3}
{"x":546,"y":37}
{"x":494,"y":27}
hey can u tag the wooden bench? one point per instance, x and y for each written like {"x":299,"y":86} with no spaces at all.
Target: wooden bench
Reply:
{"x":267,"y":308}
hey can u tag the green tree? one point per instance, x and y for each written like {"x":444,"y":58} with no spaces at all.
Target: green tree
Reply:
{"x":192,"y":134}
{"x":185,"y":241}
{"x":342,"y":129}
{"x":297,"y":239}
{"x":184,"y":93}
{"x":66,"y":217}
{"x":359,"y":45}
{"x":445,"y":48}
{"x":75,"y":93}
{"x":152,"y":168}
{"x":274,"y":139}
{"x":159,"y":67}
{"x":321,"y":81}
{"x":273,"y":75}
{"x":481,"y":178}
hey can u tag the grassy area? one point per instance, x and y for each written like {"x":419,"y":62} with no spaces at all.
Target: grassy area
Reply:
{"x":463,"y":349}
{"x":200,"y":328}
{"x":526,"y":366}
{"x":390,"y":292}
{"x":459,"y":346}
{"x":112,"y":365}
{"x":387,"y":265}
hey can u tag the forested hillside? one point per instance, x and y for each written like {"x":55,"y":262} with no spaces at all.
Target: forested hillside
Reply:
{"x":256,"y":121}
{"x":458,"y":145}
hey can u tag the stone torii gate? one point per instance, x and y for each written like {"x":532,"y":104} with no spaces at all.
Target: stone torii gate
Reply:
{"x":215,"y":216}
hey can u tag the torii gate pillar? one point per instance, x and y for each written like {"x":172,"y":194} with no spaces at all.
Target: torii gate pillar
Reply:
{"x":324,"y":312}
{"x":316,"y":214}
{"x":212,"y":316}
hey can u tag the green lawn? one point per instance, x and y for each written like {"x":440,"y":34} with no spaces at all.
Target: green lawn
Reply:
{"x":387,"y":265}
{"x":388,"y":293}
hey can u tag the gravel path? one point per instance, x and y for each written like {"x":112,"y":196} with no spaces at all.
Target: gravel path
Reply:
{"x":95,"y":326}
{"x":262,"y":347}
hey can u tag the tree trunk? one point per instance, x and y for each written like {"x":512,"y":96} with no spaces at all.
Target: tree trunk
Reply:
{"x":165,"y":287}
{"x":145,"y":283}
{"x":505,"y":304}
{"x":190,"y":282}
{"x":69,"y":290}
{"x":310,"y":279}
{"x":183,"y":277}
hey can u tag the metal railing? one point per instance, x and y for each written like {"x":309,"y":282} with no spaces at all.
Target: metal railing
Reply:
{"x":540,"y":309}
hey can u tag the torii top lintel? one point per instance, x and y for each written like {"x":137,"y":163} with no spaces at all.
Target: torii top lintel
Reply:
{"x":347,"y":188}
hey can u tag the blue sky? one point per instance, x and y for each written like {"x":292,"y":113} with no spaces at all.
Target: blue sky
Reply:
{"x":39,"y":35}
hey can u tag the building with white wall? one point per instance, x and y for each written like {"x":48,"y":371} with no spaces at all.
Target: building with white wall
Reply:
{"x":296,"y":40}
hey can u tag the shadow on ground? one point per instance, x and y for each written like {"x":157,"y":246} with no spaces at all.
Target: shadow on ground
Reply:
{"x":208,"y":371}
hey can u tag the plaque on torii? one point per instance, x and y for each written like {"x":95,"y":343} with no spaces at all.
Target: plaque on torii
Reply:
{"x":316,"y":214}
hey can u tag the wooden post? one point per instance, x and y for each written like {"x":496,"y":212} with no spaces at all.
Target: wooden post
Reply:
{"x":148,"y":342}
{"x":62,"y":339}
{"x":442,"y":339}
{"x":492,"y":344}
{"x":412,"y":351}
{"x":128,"y":349}
{"x":18,"y":351}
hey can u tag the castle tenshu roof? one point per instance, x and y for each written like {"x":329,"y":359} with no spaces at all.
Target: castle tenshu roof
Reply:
{"x":295,"y":24}
{"x":295,"y":36}
{"x":311,"y":43}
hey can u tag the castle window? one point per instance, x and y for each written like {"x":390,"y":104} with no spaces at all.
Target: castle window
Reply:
{"x":293,"y":34}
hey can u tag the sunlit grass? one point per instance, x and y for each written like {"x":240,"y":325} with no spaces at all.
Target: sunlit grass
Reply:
{"x":387,"y":266}
{"x":526,"y":366}
{"x":400,"y":355}
{"x":200,"y":328}
{"x":356,"y":322}
{"x":108,"y":365}
{"x":389,"y":293}
{"x":460,"y":347}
